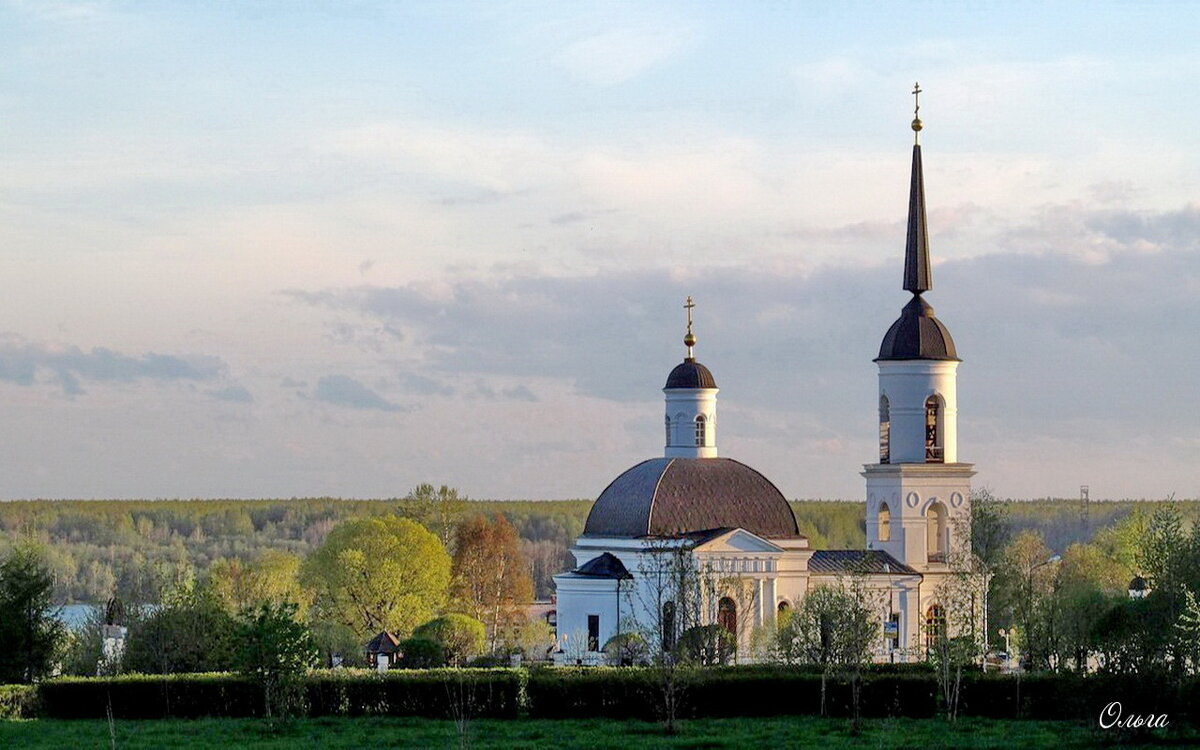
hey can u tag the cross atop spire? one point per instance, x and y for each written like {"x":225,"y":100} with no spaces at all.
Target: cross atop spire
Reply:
{"x":690,"y":339}
{"x":916,"y":123}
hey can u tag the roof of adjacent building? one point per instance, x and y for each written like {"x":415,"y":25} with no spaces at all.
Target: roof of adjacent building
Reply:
{"x":671,"y":497}
{"x":606,"y":565}
{"x":690,"y":374}
{"x":917,"y":334}
{"x":857,"y":561}
{"x":384,"y":643}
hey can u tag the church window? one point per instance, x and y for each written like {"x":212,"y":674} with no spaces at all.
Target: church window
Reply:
{"x":727,"y":615}
{"x":668,"y":627}
{"x":784,"y":607}
{"x":933,"y":430}
{"x":701,"y":430}
{"x":937,"y":535}
{"x":885,"y":430}
{"x":593,"y":643}
{"x":892,"y":630}
{"x":668,"y":420}
{"x":885,"y":523}
{"x":935,"y":626}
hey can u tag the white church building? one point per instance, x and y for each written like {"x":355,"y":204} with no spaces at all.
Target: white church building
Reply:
{"x":733,"y":520}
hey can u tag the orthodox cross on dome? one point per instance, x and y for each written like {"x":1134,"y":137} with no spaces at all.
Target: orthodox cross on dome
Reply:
{"x":690,"y":339}
{"x":916,"y":123}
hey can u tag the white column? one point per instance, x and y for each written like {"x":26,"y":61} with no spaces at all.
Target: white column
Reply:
{"x":758,"y":601}
{"x":770,"y":597}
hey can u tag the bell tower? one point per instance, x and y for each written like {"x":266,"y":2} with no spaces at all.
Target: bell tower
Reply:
{"x":918,"y":493}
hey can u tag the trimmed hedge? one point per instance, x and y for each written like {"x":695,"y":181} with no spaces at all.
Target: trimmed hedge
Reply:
{"x":18,"y":701}
{"x":494,"y":693}
{"x":609,"y":692}
{"x":772,"y":691}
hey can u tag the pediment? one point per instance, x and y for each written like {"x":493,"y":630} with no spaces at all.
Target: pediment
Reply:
{"x":738,"y":540}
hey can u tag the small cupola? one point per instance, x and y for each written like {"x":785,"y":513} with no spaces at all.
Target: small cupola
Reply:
{"x":691,"y":404}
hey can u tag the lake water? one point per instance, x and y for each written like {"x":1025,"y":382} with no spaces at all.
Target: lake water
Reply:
{"x":75,"y":615}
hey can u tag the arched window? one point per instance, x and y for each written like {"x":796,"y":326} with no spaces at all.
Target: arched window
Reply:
{"x":668,"y":422}
{"x":701,"y":431}
{"x":885,"y":522}
{"x":933,"y":430}
{"x":668,"y":627}
{"x":784,"y":607}
{"x":727,"y":615}
{"x":885,"y":430}
{"x":937,"y":533}
{"x":935,"y":625}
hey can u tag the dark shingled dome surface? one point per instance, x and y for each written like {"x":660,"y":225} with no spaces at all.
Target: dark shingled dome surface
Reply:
{"x":690,"y":374}
{"x":917,"y":335}
{"x":674,"y":496}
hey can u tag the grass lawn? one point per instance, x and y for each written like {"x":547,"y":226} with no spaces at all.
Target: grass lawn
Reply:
{"x":760,"y":734}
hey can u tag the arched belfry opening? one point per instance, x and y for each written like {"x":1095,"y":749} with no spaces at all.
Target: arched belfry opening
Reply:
{"x":701,"y":430}
{"x":934,"y":429}
{"x":884,"y":523}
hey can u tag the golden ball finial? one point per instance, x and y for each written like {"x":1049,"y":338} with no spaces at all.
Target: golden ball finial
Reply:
{"x":916,"y":125}
{"x":689,"y":340}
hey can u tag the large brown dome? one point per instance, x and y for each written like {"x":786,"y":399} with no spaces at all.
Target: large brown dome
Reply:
{"x":674,"y":496}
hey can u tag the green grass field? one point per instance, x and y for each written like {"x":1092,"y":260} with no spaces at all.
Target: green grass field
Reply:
{"x":797,"y":732}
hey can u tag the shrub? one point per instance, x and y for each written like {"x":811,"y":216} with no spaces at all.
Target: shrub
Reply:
{"x":707,"y":645}
{"x":421,"y":653}
{"x":627,"y":649}
{"x":461,"y":636}
{"x":18,"y":701}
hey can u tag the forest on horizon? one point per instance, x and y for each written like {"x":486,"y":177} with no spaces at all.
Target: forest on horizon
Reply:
{"x":135,"y":548}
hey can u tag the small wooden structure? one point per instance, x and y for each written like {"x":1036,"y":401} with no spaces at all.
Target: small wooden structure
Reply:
{"x":383,"y":649}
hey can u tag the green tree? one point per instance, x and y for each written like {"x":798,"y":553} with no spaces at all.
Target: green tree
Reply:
{"x":436,"y":510}
{"x":375,"y":574}
{"x":461,"y":637}
{"x":275,"y":650}
{"x":190,"y":632}
{"x":832,"y":628}
{"x":31,"y":637}
{"x":272,"y":578}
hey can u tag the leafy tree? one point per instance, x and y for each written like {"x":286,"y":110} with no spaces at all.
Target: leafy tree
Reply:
{"x":461,"y":637}
{"x":832,"y":628}
{"x":275,"y":650}
{"x":190,"y":632}
{"x":436,"y":510}
{"x":491,"y":576}
{"x":31,"y":637}
{"x":272,"y":578}
{"x":990,"y":528}
{"x":956,"y":638}
{"x":375,"y":574}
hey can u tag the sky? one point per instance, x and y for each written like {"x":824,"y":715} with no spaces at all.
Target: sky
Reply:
{"x":290,"y":249}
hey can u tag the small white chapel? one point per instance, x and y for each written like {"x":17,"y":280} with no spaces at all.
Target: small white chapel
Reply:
{"x":732,"y":519}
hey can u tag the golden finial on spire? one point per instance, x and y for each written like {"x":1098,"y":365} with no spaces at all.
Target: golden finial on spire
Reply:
{"x":916,"y":123}
{"x":690,"y":339}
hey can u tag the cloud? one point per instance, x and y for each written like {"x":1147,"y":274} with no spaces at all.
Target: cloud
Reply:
{"x":234,"y":393}
{"x":614,"y":57}
{"x":423,"y":386}
{"x":342,"y":390}
{"x":21,"y":360}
